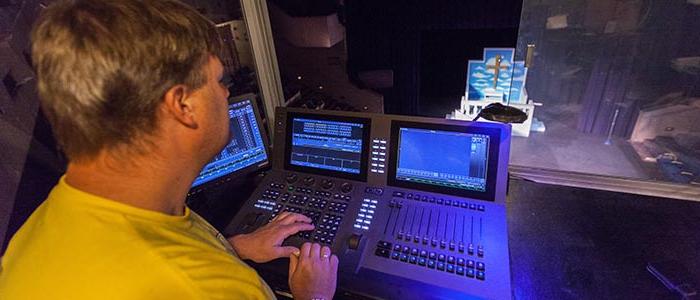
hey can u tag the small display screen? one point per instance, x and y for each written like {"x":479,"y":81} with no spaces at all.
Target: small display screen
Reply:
{"x":453,"y":159}
{"x":328,"y":145}
{"x":443,"y":158}
{"x":245,"y":149}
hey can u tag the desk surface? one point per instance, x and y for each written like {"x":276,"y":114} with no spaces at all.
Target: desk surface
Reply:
{"x":574,"y":243}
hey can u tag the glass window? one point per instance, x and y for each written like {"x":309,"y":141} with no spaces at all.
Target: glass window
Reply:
{"x":612,"y":88}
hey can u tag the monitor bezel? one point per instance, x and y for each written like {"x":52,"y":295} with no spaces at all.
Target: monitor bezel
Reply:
{"x":366,"y":122}
{"x":260,"y":166}
{"x":492,"y":167}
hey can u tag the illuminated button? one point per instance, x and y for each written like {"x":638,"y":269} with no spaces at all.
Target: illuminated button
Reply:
{"x":381,"y":171}
{"x":374,"y":170}
{"x":432,"y":255}
{"x":381,"y":165}
{"x":470,"y":273}
{"x":421,"y":261}
{"x":375,"y":147}
{"x":451,"y":259}
{"x":395,"y":255}
{"x":403,"y":257}
{"x":470,"y":263}
{"x":383,"y":141}
{"x":413,"y":260}
{"x":382,"y":159}
{"x":480,"y":275}
{"x":374,"y":165}
{"x":480,"y":266}
{"x":397,"y":247}
{"x":381,"y":252}
{"x":423,"y":253}
{"x":375,"y":153}
{"x":382,"y":147}
{"x":450,"y":268}
{"x":460,"y":270}
{"x":441,"y":257}
{"x":460,"y":262}
{"x":374,"y":158}
{"x":406,"y":249}
{"x":441,"y":266}
{"x":431,"y":264}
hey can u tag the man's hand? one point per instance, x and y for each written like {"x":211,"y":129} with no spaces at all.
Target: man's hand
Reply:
{"x":265,"y":244}
{"x":314,"y":273}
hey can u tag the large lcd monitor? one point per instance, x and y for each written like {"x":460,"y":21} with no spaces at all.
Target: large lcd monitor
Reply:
{"x":247,"y":150}
{"x":450,"y":159}
{"x":327,"y":145}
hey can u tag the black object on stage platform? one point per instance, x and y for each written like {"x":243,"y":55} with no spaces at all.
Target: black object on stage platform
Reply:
{"x":414,"y":207}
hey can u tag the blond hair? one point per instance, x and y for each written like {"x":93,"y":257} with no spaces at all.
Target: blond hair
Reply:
{"x":103,"y":66}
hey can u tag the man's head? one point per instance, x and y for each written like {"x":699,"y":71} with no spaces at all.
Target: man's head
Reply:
{"x":105,"y":68}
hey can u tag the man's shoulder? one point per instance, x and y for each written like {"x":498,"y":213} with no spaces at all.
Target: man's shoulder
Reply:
{"x":98,"y":251}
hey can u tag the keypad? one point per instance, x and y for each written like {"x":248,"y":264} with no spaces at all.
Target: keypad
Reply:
{"x":324,"y":208}
{"x":442,"y":201}
{"x":458,"y":266}
{"x":337,"y":207}
{"x":378,"y":158}
{"x":366,"y":214}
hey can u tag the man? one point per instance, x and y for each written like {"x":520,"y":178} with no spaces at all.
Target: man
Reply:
{"x":132,"y":90}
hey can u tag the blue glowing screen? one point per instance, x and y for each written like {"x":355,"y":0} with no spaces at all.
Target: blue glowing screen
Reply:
{"x":327,"y":145}
{"x":443,"y":158}
{"x":245,"y":149}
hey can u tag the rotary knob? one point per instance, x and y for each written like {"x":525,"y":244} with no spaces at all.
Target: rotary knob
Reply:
{"x":308,"y":181}
{"x":291,"y":178}
{"x":346,"y":187}
{"x":327,"y":184}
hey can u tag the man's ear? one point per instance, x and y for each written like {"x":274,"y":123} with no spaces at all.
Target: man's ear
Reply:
{"x":178,"y":104}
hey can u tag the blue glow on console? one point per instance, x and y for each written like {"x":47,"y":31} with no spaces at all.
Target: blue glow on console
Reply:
{"x":328,"y":145}
{"x":443,"y":158}
{"x":245,"y":149}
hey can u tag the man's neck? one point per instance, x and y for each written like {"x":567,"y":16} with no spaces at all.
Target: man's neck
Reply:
{"x":156,"y":184}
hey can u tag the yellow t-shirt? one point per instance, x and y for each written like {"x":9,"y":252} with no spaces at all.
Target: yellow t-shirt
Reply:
{"x":81,"y":246}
